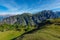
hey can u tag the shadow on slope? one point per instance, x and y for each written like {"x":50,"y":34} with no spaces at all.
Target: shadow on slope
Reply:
{"x":38,"y":27}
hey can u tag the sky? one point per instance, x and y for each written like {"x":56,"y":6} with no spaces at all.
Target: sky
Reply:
{"x":31,"y":6}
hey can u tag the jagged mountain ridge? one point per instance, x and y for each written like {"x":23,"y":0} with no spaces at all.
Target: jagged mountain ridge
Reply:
{"x":31,"y":19}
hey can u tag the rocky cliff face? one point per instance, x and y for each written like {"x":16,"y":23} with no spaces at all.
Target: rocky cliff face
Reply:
{"x":31,"y":19}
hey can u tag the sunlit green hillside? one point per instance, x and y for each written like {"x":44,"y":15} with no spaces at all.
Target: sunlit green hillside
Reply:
{"x":51,"y":32}
{"x":8,"y":35}
{"x":46,"y":32}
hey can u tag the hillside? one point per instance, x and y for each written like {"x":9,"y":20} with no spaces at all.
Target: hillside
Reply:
{"x":46,"y":32}
{"x":52,"y":32}
{"x":29,"y":19}
{"x":19,"y":27}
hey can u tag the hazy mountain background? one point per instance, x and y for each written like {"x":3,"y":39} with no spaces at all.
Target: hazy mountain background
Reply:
{"x":4,"y":16}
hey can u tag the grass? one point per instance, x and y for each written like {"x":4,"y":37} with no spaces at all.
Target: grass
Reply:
{"x":8,"y":35}
{"x":51,"y":32}
{"x":11,"y":34}
{"x":48,"y":32}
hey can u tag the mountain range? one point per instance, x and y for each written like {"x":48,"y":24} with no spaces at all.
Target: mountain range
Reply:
{"x":43,"y":25}
{"x":31,"y":19}
{"x":4,"y":16}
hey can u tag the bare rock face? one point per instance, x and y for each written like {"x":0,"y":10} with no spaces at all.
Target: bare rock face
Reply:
{"x":31,"y":19}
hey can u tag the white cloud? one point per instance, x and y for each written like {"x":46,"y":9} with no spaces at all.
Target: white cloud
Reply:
{"x":18,"y":9}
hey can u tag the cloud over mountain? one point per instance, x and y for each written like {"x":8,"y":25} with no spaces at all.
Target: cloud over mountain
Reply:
{"x":20,"y":6}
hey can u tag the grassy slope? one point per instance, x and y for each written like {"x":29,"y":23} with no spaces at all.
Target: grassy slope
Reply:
{"x":8,"y":35}
{"x":51,"y":32}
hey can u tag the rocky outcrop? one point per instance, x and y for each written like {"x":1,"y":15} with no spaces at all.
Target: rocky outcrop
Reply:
{"x":31,"y":19}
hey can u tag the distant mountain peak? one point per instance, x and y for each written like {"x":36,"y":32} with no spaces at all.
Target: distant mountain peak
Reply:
{"x":32,"y":19}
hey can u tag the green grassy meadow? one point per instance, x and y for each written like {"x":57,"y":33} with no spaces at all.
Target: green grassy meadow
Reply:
{"x":8,"y":35}
{"x":51,"y":32}
{"x":48,"y":32}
